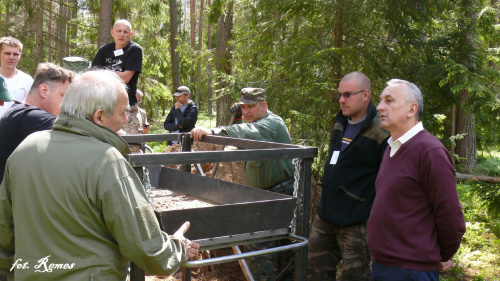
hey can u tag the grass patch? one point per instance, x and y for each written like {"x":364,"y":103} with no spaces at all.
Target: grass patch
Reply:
{"x":488,"y":163}
{"x":479,"y":255}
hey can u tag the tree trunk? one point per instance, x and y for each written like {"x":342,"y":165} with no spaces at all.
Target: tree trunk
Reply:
{"x":477,"y":178}
{"x":49,"y":31}
{"x":200,"y":49}
{"x":491,"y":63}
{"x":74,"y":27}
{"x":105,"y":25}
{"x":223,"y":62}
{"x":338,"y":33}
{"x":39,"y":5}
{"x":67,"y":14}
{"x":209,"y":67}
{"x":6,"y":18}
{"x":31,"y":16}
{"x":466,"y":147}
{"x":453,"y":129}
{"x":174,"y":55}
{"x":192,"y":13}
{"x":62,"y":31}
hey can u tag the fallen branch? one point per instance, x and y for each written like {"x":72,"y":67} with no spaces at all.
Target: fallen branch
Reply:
{"x":477,"y":178}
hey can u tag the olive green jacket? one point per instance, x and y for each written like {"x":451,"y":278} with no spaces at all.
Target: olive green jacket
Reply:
{"x":268,"y":173}
{"x":78,"y":209}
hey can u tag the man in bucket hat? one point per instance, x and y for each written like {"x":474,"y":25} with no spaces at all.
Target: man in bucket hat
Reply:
{"x":272,"y":175}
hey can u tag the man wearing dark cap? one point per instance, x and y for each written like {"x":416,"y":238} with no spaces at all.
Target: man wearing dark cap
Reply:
{"x":4,"y":93}
{"x":272,"y":175}
{"x":184,"y":114}
{"x":263,"y":125}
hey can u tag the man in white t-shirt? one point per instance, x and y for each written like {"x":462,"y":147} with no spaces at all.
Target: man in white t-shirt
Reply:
{"x":18,"y":83}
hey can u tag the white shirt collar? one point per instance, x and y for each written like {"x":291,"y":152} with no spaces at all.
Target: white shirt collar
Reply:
{"x":396,"y":144}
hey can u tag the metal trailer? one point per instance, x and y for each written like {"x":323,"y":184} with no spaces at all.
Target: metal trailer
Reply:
{"x":260,"y":221}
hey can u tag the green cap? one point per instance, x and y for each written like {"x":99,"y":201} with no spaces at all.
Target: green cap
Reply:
{"x":76,"y":64}
{"x":4,"y":93}
{"x":252,"y":95}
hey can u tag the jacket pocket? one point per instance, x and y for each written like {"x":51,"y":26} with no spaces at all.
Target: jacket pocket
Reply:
{"x":353,"y":196}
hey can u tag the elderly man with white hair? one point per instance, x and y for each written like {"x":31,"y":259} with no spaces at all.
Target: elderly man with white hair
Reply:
{"x":78,"y":208}
{"x":416,"y":223}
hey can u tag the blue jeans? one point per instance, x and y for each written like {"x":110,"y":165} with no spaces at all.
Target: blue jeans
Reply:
{"x":389,"y":273}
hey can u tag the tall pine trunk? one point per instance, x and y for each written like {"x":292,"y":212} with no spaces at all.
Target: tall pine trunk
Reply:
{"x":174,"y":55}
{"x":49,"y":31}
{"x":62,"y":31}
{"x":209,"y":67}
{"x":223,"y":62}
{"x":105,"y":25}
{"x":192,"y":13}
{"x":200,"y":49}
{"x":338,"y":34}
{"x":39,"y":12}
{"x":466,"y":147}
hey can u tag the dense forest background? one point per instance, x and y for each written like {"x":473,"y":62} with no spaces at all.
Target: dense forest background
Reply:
{"x":297,"y":50}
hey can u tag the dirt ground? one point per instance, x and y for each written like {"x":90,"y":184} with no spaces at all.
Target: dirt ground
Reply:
{"x":232,"y":172}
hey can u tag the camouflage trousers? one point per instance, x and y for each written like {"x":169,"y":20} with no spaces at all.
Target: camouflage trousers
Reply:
{"x":330,"y":244}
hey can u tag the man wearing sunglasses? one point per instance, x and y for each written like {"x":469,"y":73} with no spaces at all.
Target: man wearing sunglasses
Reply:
{"x":348,"y":186}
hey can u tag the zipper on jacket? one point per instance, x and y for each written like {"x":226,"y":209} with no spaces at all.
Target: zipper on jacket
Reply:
{"x":352,"y":195}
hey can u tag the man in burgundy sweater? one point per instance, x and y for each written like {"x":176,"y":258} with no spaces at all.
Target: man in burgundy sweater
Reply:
{"x":416,"y":223}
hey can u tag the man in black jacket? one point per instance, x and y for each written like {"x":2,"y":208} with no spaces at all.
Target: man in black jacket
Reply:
{"x":184,"y":114}
{"x":348,"y":186}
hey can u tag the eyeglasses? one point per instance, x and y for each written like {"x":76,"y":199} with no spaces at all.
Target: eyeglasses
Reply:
{"x":348,"y":95}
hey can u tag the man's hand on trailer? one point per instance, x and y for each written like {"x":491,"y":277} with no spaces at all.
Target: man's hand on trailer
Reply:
{"x":191,"y":247}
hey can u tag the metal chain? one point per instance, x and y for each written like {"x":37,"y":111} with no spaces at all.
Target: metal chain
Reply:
{"x":146,"y":183}
{"x":296,"y":179}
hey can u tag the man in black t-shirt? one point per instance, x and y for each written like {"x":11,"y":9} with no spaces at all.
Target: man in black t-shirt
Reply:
{"x":38,"y":113}
{"x":122,"y":56}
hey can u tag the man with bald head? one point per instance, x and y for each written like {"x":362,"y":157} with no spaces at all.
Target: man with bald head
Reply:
{"x":72,"y":207}
{"x":348,"y":186}
{"x":123,"y":56}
